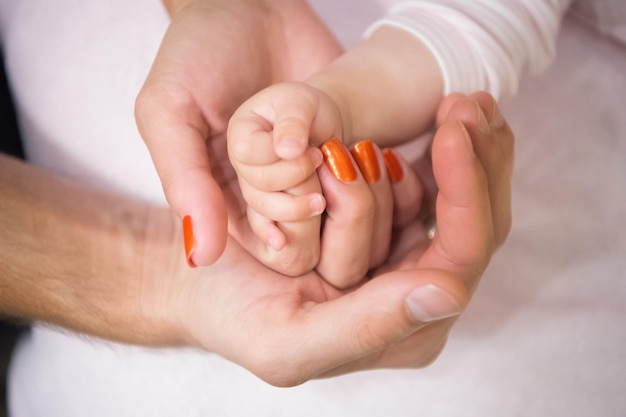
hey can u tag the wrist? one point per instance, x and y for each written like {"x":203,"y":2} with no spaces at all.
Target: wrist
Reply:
{"x":128,"y":256}
{"x":76,"y":257}
{"x":331,"y":89}
{"x":161,"y":272}
{"x":388,"y":87}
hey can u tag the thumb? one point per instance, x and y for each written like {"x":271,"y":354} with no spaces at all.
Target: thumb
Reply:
{"x":381,"y":313}
{"x":305,"y":116}
{"x":180,"y":156}
{"x":197,"y":199}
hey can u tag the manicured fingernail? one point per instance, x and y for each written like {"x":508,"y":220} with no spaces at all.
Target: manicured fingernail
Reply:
{"x":483,"y":124}
{"x":430,"y":303}
{"x":190,"y":242}
{"x":338,"y":160}
{"x":394,"y":169}
{"x":365,"y":156}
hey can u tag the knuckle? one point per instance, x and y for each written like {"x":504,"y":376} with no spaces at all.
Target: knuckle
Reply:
{"x":360,"y":209}
{"x":372,"y":337}
{"x":369,"y":338}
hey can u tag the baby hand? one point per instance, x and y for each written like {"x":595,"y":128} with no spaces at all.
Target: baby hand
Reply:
{"x":272,"y":145}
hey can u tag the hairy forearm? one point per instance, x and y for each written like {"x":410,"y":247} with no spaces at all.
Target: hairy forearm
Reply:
{"x":387,"y":88}
{"x":74,"y":257}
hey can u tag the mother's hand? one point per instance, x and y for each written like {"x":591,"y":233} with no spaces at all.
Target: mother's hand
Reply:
{"x":288,"y":330}
{"x":215,"y":54}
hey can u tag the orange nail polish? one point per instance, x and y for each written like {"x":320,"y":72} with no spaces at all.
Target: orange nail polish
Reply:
{"x":338,"y":160}
{"x":190,"y":242}
{"x":365,"y":156}
{"x":394,"y":169}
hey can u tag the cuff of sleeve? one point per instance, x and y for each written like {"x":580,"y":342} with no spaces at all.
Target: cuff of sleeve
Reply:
{"x":468,"y":55}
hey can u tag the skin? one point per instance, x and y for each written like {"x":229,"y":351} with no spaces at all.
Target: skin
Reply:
{"x":196,"y":84}
{"x":109,"y":266}
{"x":310,"y":328}
{"x":385,"y":89}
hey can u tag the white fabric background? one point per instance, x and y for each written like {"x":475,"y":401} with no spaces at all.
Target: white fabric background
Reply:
{"x":544,"y":335}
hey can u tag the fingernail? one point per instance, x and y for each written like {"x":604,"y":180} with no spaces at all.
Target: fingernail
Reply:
{"x":483,"y":124}
{"x":276,"y":239}
{"x":365,"y":157}
{"x":190,"y":242}
{"x":275,"y":244}
{"x":430,"y":303}
{"x":317,"y":204}
{"x":290,"y":147}
{"x":497,"y":120}
{"x":338,"y":160}
{"x":394,"y":169}
{"x":468,"y":138}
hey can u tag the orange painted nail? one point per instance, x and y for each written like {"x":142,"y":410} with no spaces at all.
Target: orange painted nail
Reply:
{"x":394,"y":169}
{"x":338,"y":160}
{"x":190,"y":242}
{"x":365,"y":156}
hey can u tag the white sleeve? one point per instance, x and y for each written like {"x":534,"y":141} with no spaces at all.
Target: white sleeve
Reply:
{"x":482,"y":44}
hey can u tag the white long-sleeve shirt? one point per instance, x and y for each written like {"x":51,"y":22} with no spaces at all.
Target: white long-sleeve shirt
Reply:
{"x":482,"y":44}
